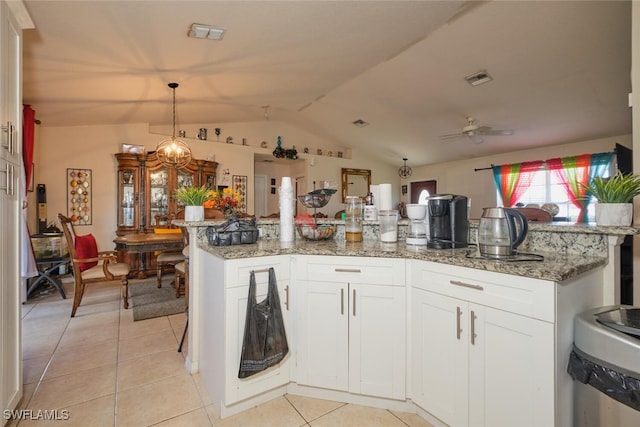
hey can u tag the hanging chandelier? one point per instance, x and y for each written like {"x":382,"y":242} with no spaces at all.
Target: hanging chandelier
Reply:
{"x":173,"y":152}
{"x":405,"y":171}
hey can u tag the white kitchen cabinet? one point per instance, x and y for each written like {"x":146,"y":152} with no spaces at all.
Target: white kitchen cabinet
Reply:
{"x":351,"y":323}
{"x":440,"y":368}
{"x":222,"y":305}
{"x":491,"y":350}
{"x":10,"y":204}
{"x":478,"y":366}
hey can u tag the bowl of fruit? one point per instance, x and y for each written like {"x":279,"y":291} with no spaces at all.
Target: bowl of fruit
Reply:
{"x":316,"y":231}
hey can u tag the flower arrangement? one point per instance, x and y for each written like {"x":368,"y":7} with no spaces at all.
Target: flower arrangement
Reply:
{"x":226,"y":200}
{"x":192,"y":195}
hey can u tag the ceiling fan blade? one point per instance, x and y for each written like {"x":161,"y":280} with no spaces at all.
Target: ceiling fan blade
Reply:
{"x":477,"y":139}
{"x":498,"y":132}
{"x":452,"y":135}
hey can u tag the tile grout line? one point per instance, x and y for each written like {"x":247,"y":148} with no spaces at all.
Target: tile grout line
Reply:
{"x":399,"y":419}
{"x":48,"y":364}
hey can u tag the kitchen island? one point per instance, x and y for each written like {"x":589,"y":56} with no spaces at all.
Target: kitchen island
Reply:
{"x":367,"y":323}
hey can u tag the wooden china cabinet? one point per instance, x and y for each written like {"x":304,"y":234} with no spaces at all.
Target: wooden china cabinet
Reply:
{"x":146,"y":188}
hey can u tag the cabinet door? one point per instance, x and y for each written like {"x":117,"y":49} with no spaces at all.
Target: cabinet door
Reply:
{"x":323,"y":334}
{"x":511,"y":374}
{"x":10,"y":211}
{"x":128,"y":191}
{"x":238,"y":389}
{"x":158,"y":196}
{"x":377,"y":340}
{"x":439,"y":359}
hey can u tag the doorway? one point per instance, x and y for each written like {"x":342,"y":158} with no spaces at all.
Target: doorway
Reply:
{"x":260,"y":197}
{"x":420,"y":190}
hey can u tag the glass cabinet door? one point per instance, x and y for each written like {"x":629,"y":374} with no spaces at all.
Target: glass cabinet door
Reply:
{"x":158,"y":193}
{"x":127,"y":197}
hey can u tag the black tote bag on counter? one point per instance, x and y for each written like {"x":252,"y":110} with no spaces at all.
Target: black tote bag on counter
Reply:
{"x":265,"y":339}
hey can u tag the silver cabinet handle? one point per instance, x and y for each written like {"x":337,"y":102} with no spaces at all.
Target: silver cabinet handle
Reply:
{"x":473,"y":327}
{"x":458,"y":316}
{"x":466,"y":285}
{"x":9,"y":187}
{"x":347,"y":270}
{"x":286,"y":300}
{"x":354,"y":303}
{"x":341,"y":301}
{"x":8,"y":129}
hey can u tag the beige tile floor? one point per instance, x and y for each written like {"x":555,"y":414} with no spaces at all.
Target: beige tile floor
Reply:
{"x":107,"y":370}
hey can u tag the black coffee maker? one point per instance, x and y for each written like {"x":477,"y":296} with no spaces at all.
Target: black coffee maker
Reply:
{"x":448,"y":221}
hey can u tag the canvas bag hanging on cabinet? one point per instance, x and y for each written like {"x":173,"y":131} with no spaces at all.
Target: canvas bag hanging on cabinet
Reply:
{"x":265,"y":339}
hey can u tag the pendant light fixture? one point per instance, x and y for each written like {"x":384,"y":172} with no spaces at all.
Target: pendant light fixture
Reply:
{"x":405,"y":171}
{"x":173,"y":152}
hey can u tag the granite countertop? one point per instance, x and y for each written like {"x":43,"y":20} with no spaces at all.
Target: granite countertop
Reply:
{"x":554,"y":267}
{"x":553,"y":227}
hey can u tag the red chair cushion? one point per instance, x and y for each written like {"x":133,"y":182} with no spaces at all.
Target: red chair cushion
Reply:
{"x":86,"y":247}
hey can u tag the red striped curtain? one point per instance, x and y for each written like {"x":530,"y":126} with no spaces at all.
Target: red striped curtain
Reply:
{"x":575,"y":172}
{"x":28,"y":131}
{"x":513,"y":180}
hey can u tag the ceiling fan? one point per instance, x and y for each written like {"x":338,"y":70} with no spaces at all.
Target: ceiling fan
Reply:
{"x":475,"y":132}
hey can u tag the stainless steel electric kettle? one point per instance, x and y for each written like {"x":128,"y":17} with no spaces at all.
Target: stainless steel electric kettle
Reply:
{"x":500,"y":232}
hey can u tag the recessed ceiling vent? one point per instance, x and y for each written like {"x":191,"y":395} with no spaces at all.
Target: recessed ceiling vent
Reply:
{"x":203,"y":31}
{"x":478,"y":78}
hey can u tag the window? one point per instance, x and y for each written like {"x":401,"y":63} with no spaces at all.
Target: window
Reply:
{"x":422,"y":198}
{"x":550,"y":186}
{"x":545,"y":188}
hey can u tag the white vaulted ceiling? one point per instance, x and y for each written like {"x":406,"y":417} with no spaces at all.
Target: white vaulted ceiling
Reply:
{"x":561,"y":69}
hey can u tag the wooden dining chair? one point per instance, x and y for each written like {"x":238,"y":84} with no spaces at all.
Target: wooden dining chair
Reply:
{"x":168,"y":258}
{"x":90,"y":265}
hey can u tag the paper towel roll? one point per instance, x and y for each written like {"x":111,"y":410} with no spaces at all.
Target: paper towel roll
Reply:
{"x":286,"y":204}
{"x":385,"y":197}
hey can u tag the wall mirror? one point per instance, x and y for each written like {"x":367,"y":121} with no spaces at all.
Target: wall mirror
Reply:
{"x":355,"y":182}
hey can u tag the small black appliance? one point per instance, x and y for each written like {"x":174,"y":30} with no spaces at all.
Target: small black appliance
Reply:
{"x":448,"y":221}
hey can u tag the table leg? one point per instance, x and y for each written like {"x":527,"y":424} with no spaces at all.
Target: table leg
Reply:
{"x":45,"y":276}
{"x":142,"y":265}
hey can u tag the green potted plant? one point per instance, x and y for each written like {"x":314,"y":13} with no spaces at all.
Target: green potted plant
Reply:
{"x":614,"y":195}
{"x":193,"y":199}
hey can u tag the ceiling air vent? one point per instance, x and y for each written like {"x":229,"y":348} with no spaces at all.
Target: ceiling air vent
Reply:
{"x":478,"y":78}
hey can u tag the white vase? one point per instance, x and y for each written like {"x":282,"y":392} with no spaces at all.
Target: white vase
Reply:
{"x":614,"y":214}
{"x":194,"y":213}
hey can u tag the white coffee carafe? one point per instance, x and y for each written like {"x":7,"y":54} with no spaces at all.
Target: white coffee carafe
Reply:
{"x":418,"y":233}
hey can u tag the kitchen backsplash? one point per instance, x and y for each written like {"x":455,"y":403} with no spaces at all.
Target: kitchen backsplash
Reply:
{"x":562,"y":239}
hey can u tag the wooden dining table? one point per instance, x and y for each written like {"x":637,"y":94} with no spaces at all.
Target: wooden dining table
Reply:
{"x":141,"y":243}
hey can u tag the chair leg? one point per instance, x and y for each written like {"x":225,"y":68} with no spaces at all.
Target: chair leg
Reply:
{"x":125,"y":293}
{"x":77,"y":297}
{"x":159,"y":275}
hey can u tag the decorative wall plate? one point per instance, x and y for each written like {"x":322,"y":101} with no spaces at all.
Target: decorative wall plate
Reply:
{"x":79,"y":196}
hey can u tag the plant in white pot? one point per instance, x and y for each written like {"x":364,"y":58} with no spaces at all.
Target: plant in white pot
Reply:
{"x":614,"y":196}
{"x":193,"y":199}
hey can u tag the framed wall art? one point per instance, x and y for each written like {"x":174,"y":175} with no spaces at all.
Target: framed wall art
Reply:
{"x":240,"y":185}
{"x":79,"y":196}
